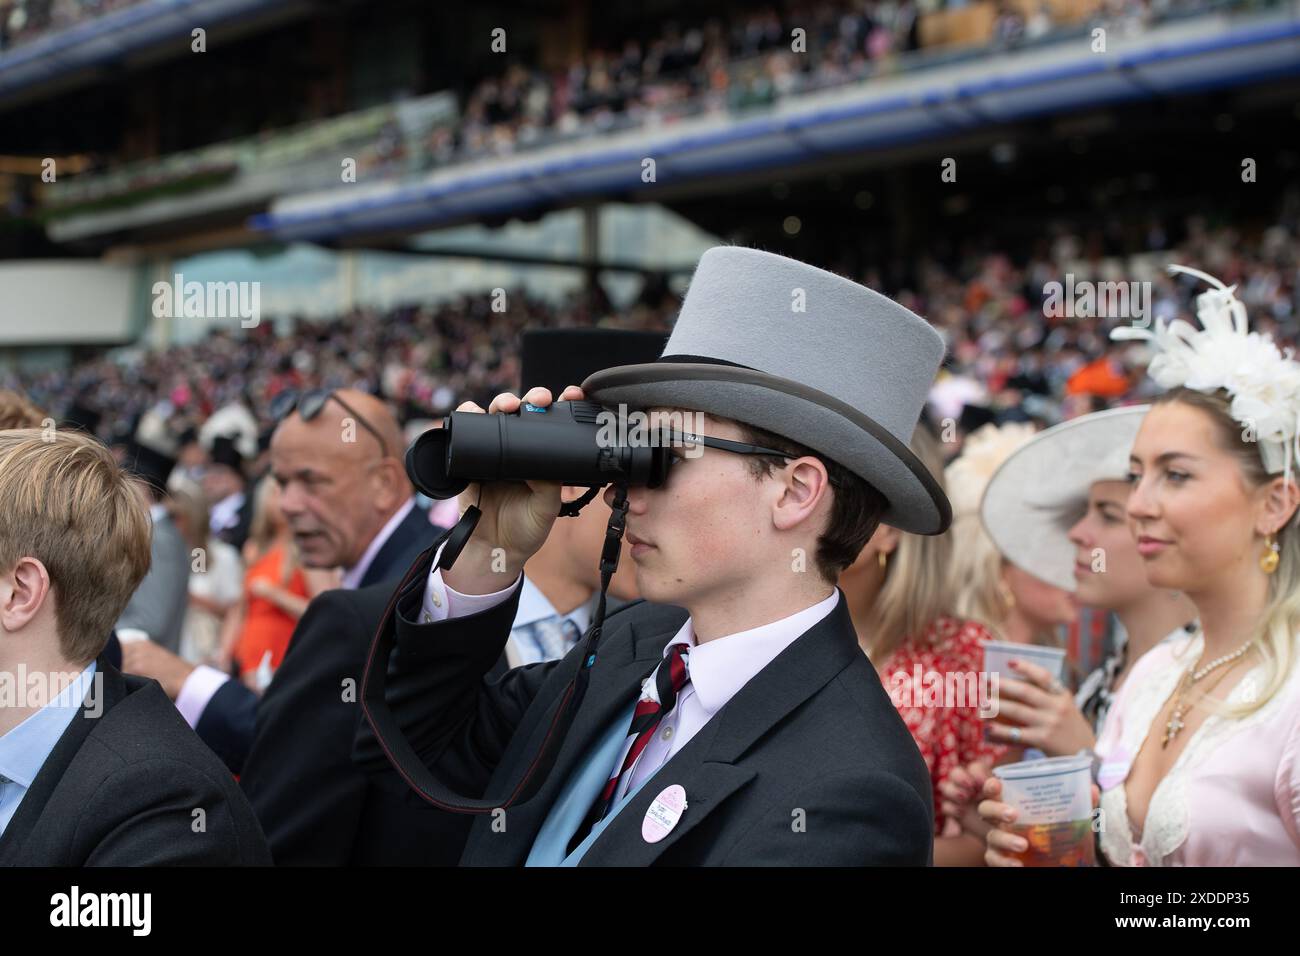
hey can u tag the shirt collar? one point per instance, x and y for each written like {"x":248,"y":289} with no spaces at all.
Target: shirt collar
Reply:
{"x":25,"y":748}
{"x":720,"y":667}
{"x":535,"y":606}
{"x":353,"y":576}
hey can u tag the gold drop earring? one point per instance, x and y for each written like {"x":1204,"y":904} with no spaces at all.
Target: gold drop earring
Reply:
{"x":1271,"y":557}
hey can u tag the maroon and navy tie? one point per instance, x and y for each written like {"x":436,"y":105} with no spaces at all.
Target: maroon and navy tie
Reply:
{"x":670,"y":678}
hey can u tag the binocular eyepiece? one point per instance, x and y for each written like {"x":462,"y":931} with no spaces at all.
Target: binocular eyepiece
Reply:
{"x":572,"y":443}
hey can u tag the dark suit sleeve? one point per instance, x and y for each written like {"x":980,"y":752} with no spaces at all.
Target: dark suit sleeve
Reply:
{"x":166,"y":812}
{"x":299,"y":775}
{"x":227,"y":723}
{"x":841,"y":819}
{"x":458,"y":720}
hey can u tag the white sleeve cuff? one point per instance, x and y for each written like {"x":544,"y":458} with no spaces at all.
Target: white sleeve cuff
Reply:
{"x":441,"y":602}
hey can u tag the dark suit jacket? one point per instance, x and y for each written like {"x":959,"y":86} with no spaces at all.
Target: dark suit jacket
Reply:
{"x":809,"y":763}
{"x":227,"y":723}
{"x":121,"y":788}
{"x":316,"y":805}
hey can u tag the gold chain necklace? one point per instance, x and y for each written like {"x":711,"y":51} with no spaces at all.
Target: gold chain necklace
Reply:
{"x":1175,"y":723}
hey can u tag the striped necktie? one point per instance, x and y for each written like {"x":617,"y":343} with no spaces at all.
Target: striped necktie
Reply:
{"x":547,"y":639}
{"x":670,"y":677}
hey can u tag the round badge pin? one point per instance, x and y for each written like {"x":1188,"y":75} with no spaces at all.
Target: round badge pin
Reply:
{"x":664,"y":812}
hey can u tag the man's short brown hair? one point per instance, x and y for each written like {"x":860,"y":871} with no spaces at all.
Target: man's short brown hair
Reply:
{"x":855,"y":510}
{"x":65,"y":502}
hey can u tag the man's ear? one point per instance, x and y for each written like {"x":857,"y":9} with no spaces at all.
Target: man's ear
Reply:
{"x":23,"y":592}
{"x":392,"y":486}
{"x":807,"y":475}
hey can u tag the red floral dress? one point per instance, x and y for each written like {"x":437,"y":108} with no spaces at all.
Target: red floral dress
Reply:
{"x":942,"y":711}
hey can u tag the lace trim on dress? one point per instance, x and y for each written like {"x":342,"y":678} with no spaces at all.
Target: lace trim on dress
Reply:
{"x":1168,"y":818}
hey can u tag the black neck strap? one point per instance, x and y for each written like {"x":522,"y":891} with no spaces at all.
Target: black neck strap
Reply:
{"x":374,"y":682}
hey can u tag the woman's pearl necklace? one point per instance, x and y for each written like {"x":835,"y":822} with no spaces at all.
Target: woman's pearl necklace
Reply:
{"x":1220,"y":661}
{"x":1175,"y":724}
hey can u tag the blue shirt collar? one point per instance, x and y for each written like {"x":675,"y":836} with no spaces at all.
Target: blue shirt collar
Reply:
{"x":25,"y":748}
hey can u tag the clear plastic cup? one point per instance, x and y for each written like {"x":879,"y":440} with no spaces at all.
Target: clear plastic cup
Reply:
{"x":1053,"y":798}
{"x":997,"y":654}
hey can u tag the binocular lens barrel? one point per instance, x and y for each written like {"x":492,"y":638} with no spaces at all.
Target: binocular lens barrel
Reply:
{"x":569,"y":442}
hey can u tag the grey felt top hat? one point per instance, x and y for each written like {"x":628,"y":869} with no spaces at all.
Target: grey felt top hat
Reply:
{"x":805,"y":354}
{"x":1041,"y":490}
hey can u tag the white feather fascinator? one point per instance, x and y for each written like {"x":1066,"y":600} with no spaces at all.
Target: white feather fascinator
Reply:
{"x":1262,"y":382}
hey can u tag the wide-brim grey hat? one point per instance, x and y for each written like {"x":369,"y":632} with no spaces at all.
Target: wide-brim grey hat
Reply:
{"x":1041,"y":490}
{"x":805,"y":354}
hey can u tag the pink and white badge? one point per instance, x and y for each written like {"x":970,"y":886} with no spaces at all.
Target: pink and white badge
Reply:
{"x":664,"y":812}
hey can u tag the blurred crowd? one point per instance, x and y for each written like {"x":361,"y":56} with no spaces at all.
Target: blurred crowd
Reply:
{"x":684,"y":69}
{"x":728,"y":65}
{"x":1006,"y":357}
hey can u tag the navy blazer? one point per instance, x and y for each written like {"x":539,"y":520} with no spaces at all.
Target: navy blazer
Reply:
{"x":121,"y":788}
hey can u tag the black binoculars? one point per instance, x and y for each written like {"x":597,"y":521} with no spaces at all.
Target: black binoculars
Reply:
{"x":573,"y":443}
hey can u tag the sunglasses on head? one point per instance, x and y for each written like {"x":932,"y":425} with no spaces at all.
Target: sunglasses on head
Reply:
{"x":309,"y":405}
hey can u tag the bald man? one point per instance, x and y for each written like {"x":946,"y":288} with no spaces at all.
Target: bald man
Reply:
{"x":343,"y":487}
{"x":349,"y":505}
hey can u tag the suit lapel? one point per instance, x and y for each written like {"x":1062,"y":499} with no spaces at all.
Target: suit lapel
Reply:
{"x":706,"y":768}
{"x":403,"y":539}
{"x":56,"y":764}
{"x":620,"y":668}
{"x":707,"y":784}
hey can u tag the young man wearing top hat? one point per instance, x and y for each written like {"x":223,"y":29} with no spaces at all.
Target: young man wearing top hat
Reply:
{"x":732,"y":718}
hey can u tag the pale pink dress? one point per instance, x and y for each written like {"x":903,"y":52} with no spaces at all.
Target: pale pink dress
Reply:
{"x":1233,"y":796}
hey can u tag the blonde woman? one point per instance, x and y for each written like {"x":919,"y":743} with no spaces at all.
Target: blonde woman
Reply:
{"x":987,"y":588}
{"x":898,"y":596}
{"x":1077,"y":469}
{"x":1201,"y":751}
